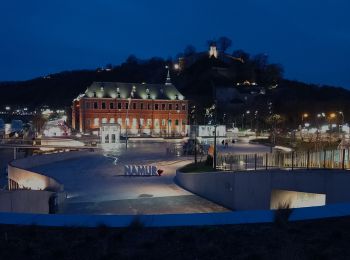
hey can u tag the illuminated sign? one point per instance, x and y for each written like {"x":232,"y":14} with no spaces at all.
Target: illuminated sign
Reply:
{"x":141,"y":170}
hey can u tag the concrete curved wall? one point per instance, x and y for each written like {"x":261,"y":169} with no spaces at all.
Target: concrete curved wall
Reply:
{"x":32,"y":180}
{"x":253,"y":189}
{"x":18,"y":171}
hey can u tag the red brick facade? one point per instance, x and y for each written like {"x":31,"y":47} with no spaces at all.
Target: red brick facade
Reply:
{"x":145,"y":116}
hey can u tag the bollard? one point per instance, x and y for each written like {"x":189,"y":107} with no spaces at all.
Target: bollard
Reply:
{"x":266,"y":160}
{"x":308,"y":160}
{"x":343,"y":161}
{"x":292,"y":160}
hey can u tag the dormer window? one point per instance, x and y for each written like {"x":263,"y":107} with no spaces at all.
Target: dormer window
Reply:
{"x":177,"y":97}
{"x":149,"y":96}
{"x":94,"y":93}
{"x":147,"y":90}
{"x":133,"y":88}
{"x":118,"y":95}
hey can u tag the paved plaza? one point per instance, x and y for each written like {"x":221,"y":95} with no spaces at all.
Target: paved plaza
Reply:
{"x":95,"y":183}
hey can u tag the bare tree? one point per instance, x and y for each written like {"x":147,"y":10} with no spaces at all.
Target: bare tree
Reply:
{"x":224,"y":43}
{"x":189,"y":50}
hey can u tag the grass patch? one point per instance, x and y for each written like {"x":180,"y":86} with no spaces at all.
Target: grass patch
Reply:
{"x":199,"y":167}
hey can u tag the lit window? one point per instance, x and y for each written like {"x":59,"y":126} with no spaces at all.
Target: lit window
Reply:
{"x":119,"y":120}
{"x":112,"y":120}
{"x":104,"y":120}
{"x":163,"y":122}
{"x":156,"y":123}
{"x":96,"y":121}
{"x":127,"y":121}
{"x":149,"y":122}
{"x":141,"y":121}
{"x":134,"y":122}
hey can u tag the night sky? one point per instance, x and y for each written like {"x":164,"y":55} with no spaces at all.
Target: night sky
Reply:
{"x":311,"y":39}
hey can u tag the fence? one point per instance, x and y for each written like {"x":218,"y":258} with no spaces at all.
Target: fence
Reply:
{"x":327,"y":159}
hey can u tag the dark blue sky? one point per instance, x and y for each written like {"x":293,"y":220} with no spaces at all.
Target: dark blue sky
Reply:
{"x":311,"y":39}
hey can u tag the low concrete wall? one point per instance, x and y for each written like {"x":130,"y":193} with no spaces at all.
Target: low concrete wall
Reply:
{"x":18,"y":171}
{"x":25,"y":201}
{"x":241,"y":191}
{"x":252,"y":189}
{"x":32,"y":180}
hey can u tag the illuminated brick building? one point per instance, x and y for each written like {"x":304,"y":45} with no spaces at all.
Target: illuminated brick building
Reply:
{"x":139,"y":109}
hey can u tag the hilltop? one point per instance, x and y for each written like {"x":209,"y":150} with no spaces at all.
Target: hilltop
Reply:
{"x":239,"y":82}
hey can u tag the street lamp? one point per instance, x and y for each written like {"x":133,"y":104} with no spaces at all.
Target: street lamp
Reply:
{"x":342,"y":120}
{"x":127,"y":117}
{"x":194,"y":123}
{"x":303,"y":116}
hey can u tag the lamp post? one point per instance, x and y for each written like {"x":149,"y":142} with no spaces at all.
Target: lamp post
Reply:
{"x":215,"y":126}
{"x":342,"y":120}
{"x":194,"y":123}
{"x":214,"y":152}
{"x":303,"y":116}
{"x":127,"y":121}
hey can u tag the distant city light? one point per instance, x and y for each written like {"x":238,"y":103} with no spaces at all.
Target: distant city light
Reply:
{"x":7,"y":108}
{"x":332,"y":115}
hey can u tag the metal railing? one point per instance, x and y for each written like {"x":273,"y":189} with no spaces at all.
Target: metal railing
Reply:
{"x":327,"y":159}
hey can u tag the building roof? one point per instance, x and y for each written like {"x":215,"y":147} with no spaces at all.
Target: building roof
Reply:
{"x":134,"y":90}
